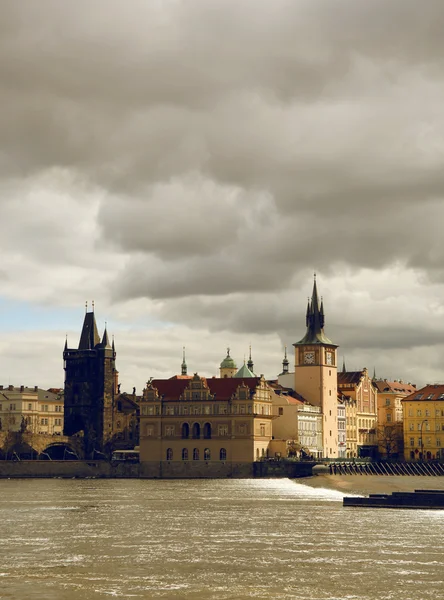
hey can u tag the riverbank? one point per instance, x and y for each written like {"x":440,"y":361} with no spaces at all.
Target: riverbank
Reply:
{"x":371,"y":484}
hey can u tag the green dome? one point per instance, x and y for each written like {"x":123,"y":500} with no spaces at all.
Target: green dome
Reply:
{"x":228,"y":362}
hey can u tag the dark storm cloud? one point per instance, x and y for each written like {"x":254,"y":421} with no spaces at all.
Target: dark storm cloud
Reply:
{"x":212,"y":154}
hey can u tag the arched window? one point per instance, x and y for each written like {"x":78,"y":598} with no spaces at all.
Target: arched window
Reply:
{"x":207,"y":454}
{"x":185,"y":431}
{"x":196,"y":431}
{"x":169,"y":454}
{"x":184,"y":453}
{"x":223,"y":454}
{"x":263,"y":452}
{"x":207,"y":431}
{"x":196,"y":454}
{"x":257,"y":454}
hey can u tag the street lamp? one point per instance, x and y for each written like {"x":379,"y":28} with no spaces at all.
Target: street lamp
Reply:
{"x":421,"y":438}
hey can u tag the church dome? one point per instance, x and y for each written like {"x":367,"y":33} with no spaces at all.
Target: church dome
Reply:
{"x":228,"y":362}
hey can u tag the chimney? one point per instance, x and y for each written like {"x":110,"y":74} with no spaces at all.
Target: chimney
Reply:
{"x":22,"y":387}
{"x":1,"y":387}
{"x":36,"y":388}
{"x":11,"y":388}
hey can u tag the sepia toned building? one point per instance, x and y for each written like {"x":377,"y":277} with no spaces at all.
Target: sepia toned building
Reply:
{"x":315,"y":376}
{"x":360,"y":397}
{"x":423,"y":418}
{"x":31,"y":410}
{"x":197,"y":426}
{"x":390,"y":416}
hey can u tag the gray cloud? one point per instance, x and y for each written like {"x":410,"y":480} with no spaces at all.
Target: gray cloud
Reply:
{"x":206,"y":157}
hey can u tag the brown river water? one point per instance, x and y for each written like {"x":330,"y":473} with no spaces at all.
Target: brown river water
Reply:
{"x":217,"y":539}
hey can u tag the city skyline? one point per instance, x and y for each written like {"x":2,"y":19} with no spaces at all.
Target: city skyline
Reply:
{"x":191,"y":188}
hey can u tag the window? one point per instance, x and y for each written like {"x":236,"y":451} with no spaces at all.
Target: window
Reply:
{"x":185,"y":431}
{"x":196,"y":454}
{"x":149,"y":430}
{"x":207,"y":454}
{"x":12,"y":407}
{"x":427,"y":412}
{"x":196,"y":431}
{"x":418,"y":413}
{"x":222,"y":430}
{"x":281,"y":411}
{"x":169,"y":454}
{"x":410,"y":412}
{"x":437,"y":412}
{"x":29,"y":406}
{"x":207,"y":410}
{"x":388,"y":417}
{"x":207,"y":431}
{"x":262,"y":429}
{"x":242,"y":409}
{"x":223,"y":454}
{"x":411,"y":426}
{"x":184,"y":453}
{"x":438,"y":441}
{"x":169,"y":430}
{"x":412,"y":441}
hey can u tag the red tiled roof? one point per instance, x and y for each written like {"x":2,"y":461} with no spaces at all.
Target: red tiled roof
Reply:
{"x":350,"y":377}
{"x":222,"y":388}
{"x":291,"y":400}
{"x":394,"y":387}
{"x":428,"y":392}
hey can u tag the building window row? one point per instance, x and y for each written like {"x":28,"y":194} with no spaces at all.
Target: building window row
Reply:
{"x":196,"y":454}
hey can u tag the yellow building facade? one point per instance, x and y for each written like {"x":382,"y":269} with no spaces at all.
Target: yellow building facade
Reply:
{"x":360,"y":397}
{"x":423,"y":412}
{"x":390,"y":416}
{"x":194,"y":426}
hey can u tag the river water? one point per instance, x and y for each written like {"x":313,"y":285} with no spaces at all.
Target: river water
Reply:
{"x":221,"y":539}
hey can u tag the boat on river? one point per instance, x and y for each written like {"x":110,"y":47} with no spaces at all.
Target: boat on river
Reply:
{"x":420,"y":499}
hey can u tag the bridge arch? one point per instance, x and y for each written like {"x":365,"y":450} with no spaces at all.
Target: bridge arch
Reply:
{"x":59,"y":451}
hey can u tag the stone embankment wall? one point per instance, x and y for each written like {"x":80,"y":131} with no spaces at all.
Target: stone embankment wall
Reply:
{"x":151,"y":470}
{"x":66,"y":469}
{"x":220,"y":470}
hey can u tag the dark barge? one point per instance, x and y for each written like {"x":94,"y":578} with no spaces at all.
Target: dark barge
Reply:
{"x":420,"y":499}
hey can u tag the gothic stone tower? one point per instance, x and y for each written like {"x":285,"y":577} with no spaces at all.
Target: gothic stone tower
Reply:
{"x":90,"y":387}
{"x":316,"y":372}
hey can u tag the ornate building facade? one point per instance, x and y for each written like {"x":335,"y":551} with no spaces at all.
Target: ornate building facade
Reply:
{"x":199,"y":427}
{"x":360,"y":397}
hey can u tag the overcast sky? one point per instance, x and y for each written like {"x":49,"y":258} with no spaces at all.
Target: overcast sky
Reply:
{"x":188,"y":165}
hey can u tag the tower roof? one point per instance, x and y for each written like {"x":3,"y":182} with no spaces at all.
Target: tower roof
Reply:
{"x":314,"y":321}
{"x":243,"y":372}
{"x":105,"y":340}
{"x":89,"y":337}
{"x":228,"y":362}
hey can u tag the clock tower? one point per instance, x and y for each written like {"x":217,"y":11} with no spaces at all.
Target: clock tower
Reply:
{"x":316,"y":372}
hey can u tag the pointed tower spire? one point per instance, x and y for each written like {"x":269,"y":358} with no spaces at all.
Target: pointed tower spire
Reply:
{"x":344,"y":370}
{"x":285,"y":363}
{"x":250,"y":364}
{"x":105,"y":340}
{"x":113,"y":345}
{"x":89,"y":338}
{"x":314,"y":320}
{"x":184,"y":364}
{"x":374,"y":374}
{"x":66,"y":342}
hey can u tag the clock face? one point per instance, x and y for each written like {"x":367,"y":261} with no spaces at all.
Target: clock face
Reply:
{"x":309,"y":358}
{"x":329,"y":358}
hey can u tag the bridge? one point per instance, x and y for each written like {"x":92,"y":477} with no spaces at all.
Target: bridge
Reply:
{"x":17,"y":445}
